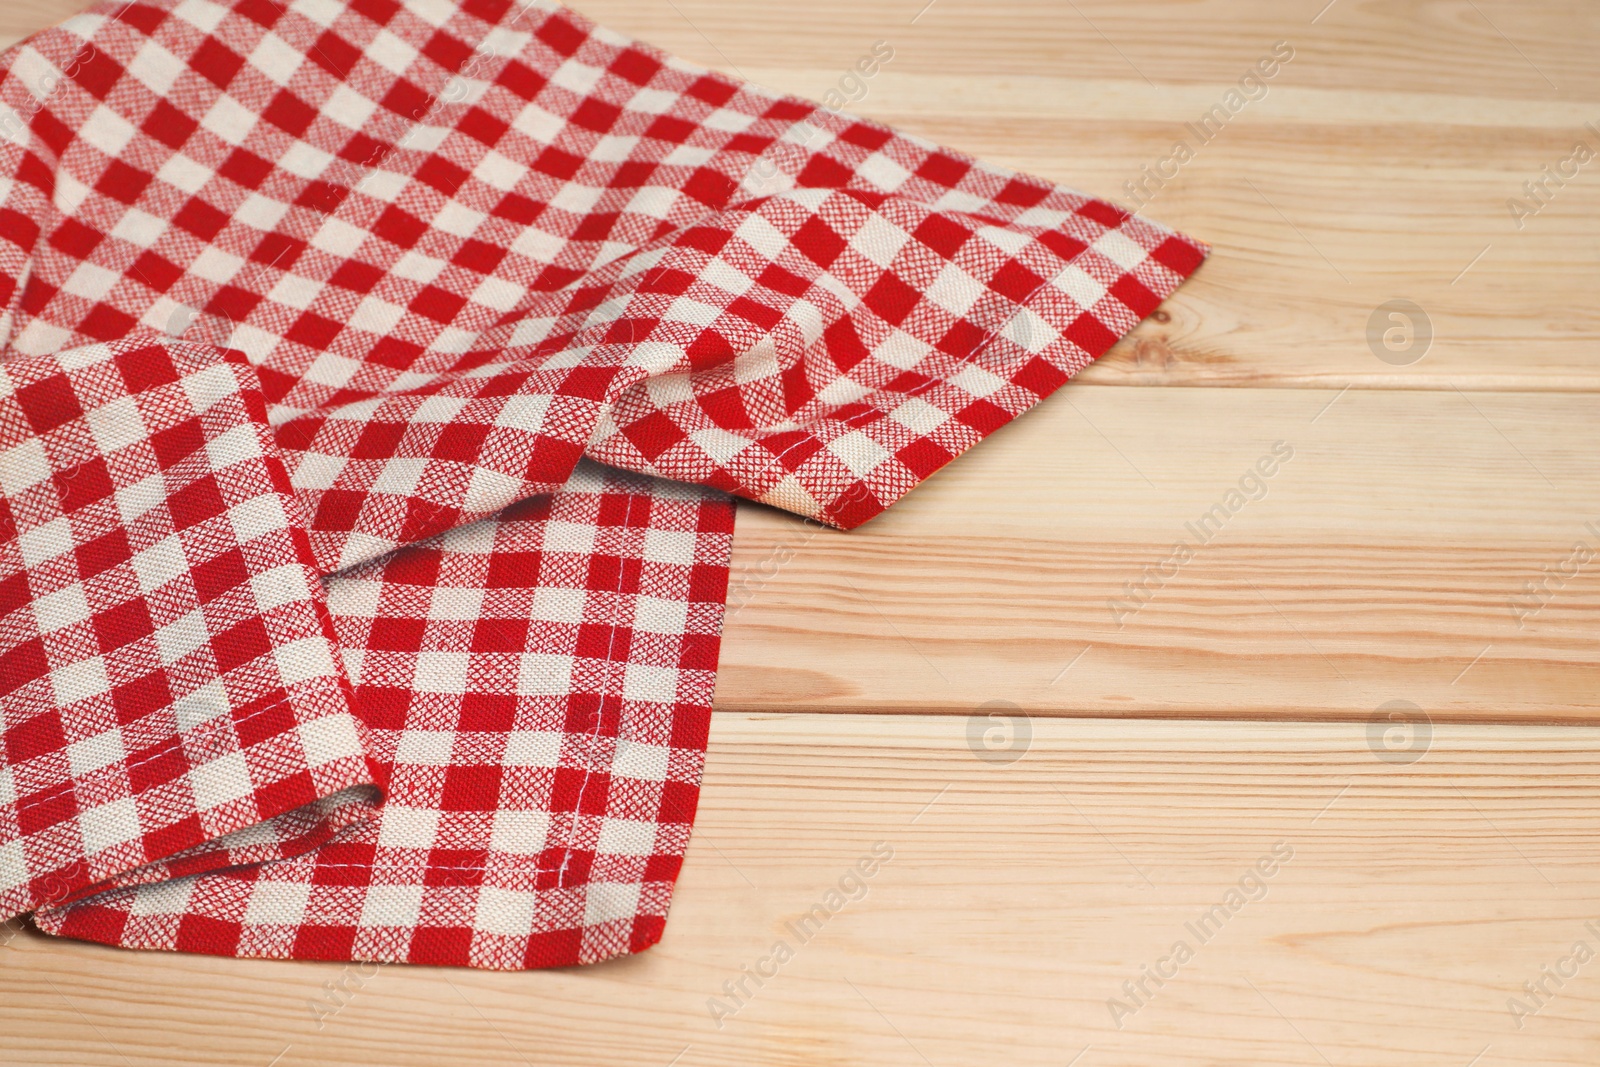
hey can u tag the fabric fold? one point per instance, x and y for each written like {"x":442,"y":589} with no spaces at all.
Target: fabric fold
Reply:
{"x":538,"y":690}
{"x":172,"y":697}
{"x":504,"y":303}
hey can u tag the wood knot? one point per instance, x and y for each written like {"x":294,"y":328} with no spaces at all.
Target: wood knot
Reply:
{"x":1152,"y":351}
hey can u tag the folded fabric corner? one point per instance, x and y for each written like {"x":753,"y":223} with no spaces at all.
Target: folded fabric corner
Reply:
{"x":537,"y":690}
{"x":170,"y":696}
{"x":373,"y":378}
{"x":869,"y":308}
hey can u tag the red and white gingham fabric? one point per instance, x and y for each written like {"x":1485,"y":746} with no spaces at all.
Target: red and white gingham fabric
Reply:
{"x":433,"y":255}
{"x":538,"y":690}
{"x":167,"y":663}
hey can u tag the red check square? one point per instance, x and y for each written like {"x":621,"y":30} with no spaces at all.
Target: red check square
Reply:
{"x":171,"y":612}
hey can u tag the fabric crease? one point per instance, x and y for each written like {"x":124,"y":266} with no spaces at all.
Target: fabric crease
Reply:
{"x":376,"y":378}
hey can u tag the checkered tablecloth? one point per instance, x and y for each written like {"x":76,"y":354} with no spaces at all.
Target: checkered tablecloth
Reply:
{"x":374,"y":378}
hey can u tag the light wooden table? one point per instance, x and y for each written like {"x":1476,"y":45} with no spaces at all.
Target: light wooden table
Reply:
{"x":1430,"y":871}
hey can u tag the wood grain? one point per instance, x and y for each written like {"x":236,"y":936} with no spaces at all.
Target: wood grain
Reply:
{"x":1417,"y":900}
{"x":1380,"y":564}
{"x":1378,"y":164}
{"x":18,"y":18}
{"x":1377,"y":568}
{"x":1372,"y":169}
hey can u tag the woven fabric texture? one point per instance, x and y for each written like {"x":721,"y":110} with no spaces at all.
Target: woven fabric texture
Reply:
{"x":167,"y":663}
{"x":373,"y":377}
{"x":537,"y":686}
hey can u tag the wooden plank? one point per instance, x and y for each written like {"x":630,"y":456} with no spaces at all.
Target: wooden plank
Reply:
{"x":1420,"y":896}
{"x":1380,"y":567}
{"x":1387,"y":560}
{"x":1019,"y":898}
{"x":18,"y":18}
{"x":1358,"y":178}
